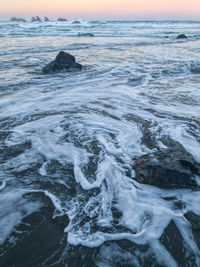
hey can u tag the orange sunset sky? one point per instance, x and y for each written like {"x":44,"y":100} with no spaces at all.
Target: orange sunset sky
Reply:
{"x":130,"y":9}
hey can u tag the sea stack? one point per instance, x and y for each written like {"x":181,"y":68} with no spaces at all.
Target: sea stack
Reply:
{"x":33,"y":19}
{"x":36,"y":19}
{"x":46,"y":19}
{"x":61,"y":20}
{"x":76,"y":22}
{"x":62,"y":61}
{"x":14,"y":19}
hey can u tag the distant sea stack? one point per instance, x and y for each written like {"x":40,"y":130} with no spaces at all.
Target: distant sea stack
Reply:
{"x":14,"y":19}
{"x":62,"y":61}
{"x":61,"y":20}
{"x":36,"y":19}
{"x":46,"y":19}
{"x":76,"y":22}
{"x":181,"y":36}
{"x":33,"y":19}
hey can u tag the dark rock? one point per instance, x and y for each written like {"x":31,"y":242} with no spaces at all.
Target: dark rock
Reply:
{"x":76,"y":22}
{"x":85,"y":34}
{"x":181,"y":36}
{"x":37,"y":238}
{"x":169,"y":169}
{"x":33,"y":19}
{"x":195,"y":223}
{"x":195,"y":68}
{"x":14,"y":19}
{"x":62,"y":61}
{"x":193,"y":219}
{"x":46,"y":19}
{"x":61,"y":20}
{"x":36,"y":19}
{"x":173,"y":241}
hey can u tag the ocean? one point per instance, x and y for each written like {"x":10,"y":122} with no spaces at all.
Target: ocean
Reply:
{"x":77,"y":148}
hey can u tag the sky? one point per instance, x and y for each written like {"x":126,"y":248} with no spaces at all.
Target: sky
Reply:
{"x":105,"y":9}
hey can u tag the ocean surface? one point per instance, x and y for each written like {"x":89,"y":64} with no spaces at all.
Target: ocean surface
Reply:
{"x":69,"y":140}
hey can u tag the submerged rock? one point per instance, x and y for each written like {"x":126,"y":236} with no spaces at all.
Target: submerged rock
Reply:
{"x":195,"y":68}
{"x":136,"y":80}
{"x":62,"y":61}
{"x":61,"y":20}
{"x":181,"y":36}
{"x":171,"y":169}
{"x":46,"y":19}
{"x":14,"y":19}
{"x":76,"y":22}
{"x":87,"y":34}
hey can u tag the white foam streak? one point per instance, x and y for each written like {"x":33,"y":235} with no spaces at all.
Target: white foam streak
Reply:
{"x":180,"y":134}
{"x":3,"y":185}
{"x":56,"y":202}
{"x":80,"y":177}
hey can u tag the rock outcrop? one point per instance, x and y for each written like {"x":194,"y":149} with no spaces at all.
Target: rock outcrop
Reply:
{"x":33,"y":19}
{"x":46,"y":19}
{"x":61,"y":20}
{"x":76,"y":22}
{"x":181,"y":36}
{"x":62,"y":61}
{"x":36,"y":19}
{"x":168,"y":169}
{"x":87,"y":34}
{"x":14,"y":19}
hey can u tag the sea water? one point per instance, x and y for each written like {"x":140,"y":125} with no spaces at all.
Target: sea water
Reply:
{"x":73,"y":137}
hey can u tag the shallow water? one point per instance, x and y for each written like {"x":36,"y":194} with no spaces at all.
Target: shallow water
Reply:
{"x":72,"y":138}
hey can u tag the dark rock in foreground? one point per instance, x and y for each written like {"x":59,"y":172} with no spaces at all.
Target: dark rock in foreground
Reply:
{"x":194,"y":220}
{"x":61,"y":20}
{"x":38,"y":238}
{"x":181,"y":36}
{"x":173,"y":241}
{"x":46,"y":19}
{"x":171,"y":169}
{"x":62,"y":61}
{"x":14,"y":19}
